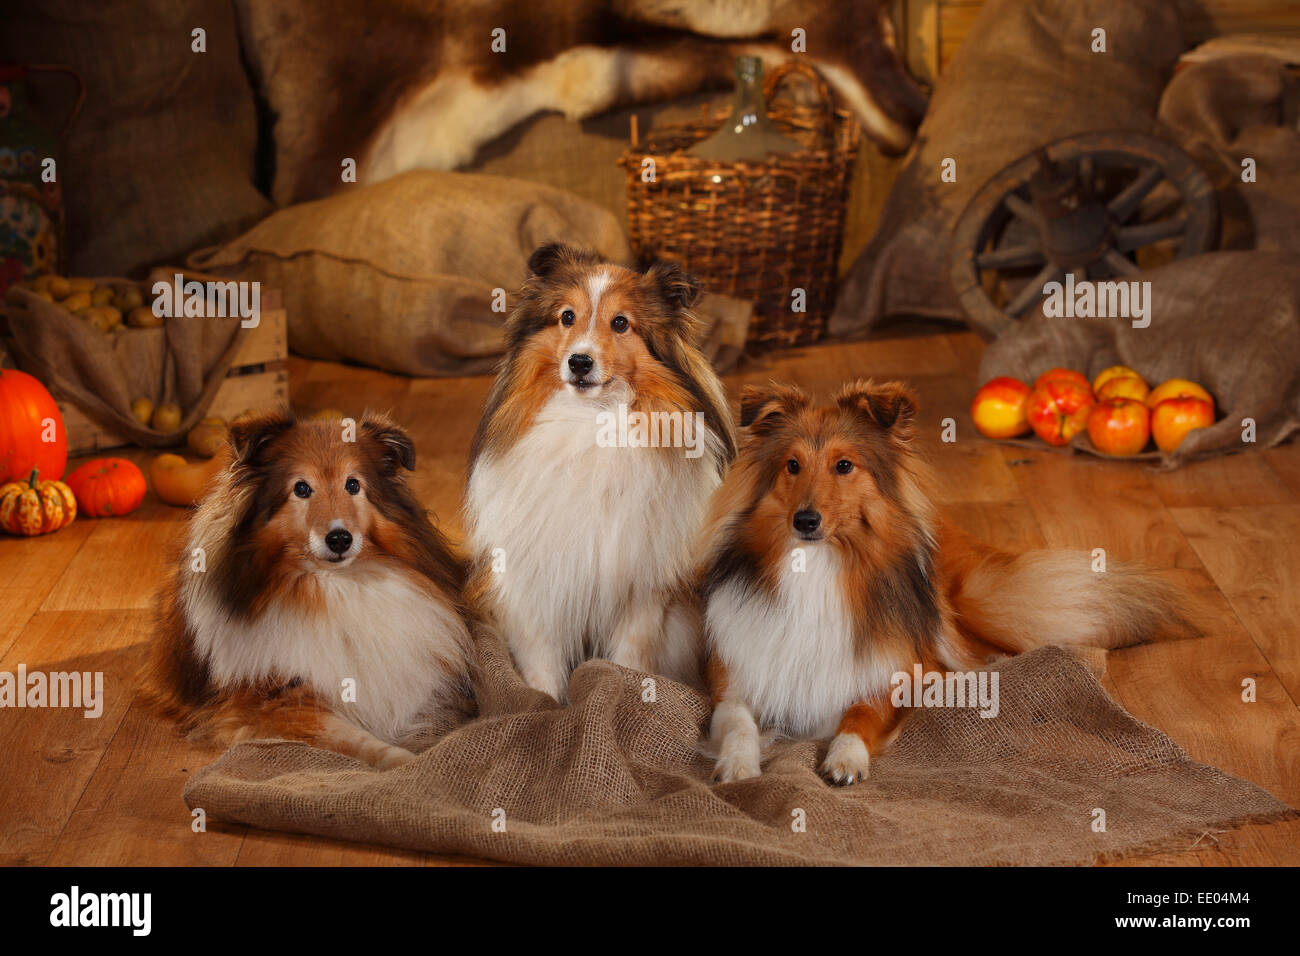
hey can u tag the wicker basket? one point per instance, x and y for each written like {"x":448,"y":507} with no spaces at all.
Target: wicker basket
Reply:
{"x":756,"y":231}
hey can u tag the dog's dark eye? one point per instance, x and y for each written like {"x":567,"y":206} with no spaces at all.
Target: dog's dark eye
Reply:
{"x":302,"y":489}
{"x":843,"y":466}
{"x":352,"y":486}
{"x":792,"y":466}
{"x":619,"y":324}
{"x":567,"y":317}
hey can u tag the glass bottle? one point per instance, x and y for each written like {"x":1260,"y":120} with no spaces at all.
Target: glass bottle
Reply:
{"x":747,"y":134}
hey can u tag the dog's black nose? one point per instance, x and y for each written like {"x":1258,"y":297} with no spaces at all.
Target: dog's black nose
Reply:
{"x":338,"y":541}
{"x":807,"y":521}
{"x":580,"y":365}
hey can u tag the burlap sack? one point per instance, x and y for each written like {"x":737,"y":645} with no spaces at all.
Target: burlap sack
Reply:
{"x":1240,"y":108}
{"x":161,"y":159}
{"x":185,"y":362}
{"x":403,"y":275}
{"x":614,"y":779}
{"x":1227,"y":320}
{"x":1024,"y":76}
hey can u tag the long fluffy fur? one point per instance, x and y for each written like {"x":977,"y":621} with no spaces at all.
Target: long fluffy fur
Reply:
{"x":260,"y":629}
{"x":581,"y":550}
{"x":804,"y":635}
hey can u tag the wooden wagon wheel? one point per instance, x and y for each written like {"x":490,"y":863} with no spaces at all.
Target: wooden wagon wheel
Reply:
{"x":1086,"y":205}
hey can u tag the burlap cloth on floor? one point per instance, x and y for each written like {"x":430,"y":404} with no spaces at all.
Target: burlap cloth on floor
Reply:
{"x":613,"y":779}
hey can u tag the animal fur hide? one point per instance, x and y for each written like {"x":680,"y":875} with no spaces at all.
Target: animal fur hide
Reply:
{"x":418,"y":84}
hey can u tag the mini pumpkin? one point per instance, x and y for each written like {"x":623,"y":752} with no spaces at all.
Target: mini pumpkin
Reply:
{"x":34,"y":507}
{"x":107,"y":487}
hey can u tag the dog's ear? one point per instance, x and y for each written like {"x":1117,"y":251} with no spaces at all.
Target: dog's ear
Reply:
{"x":762,"y":406}
{"x":250,"y":435}
{"x":395,"y":446}
{"x":546,"y":259}
{"x":890,"y":406}
{"x":675,"y":285}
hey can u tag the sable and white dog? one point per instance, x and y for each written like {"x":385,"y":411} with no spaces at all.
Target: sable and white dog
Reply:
{"x":881,"y":585}
{"x":314,"y":599}
{"x":603,"y":437}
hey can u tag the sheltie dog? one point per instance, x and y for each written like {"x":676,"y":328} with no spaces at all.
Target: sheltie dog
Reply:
{"x":314,"y":599}
{"x":602,"y":439}
{"x":828,"y":571}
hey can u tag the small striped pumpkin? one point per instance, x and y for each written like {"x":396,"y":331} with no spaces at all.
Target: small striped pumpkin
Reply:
{"x":34,"y":507}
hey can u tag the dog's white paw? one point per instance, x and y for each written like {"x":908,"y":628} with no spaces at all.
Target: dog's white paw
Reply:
{"x":847,"y":761}
{"x":736,"y":765}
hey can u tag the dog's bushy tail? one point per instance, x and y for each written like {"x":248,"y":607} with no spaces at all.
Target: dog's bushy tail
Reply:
{"x":1021,"y":601}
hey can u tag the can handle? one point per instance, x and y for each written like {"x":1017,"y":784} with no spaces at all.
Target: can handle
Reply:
{"x":81,"y":90}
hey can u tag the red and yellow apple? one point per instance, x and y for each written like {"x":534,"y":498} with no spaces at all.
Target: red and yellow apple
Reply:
{"x":1178,"y":388}
{"x":999,"y":408}
{"x":1053,"y":374}
{"x":1057,"y":409}
{"x":1124,"y":386}
{"x":1173,"y":418}
{"x":1114,"y":371}
{"x":1119,"y":426}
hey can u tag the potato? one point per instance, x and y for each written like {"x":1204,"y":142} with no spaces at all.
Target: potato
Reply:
{"x":59,"y":287}
{"x":166,"y":417}
{"x":76,"y":302}
{"x":82,"y":285}
{"x":178,"y":482}
{"x":96,"y":316}
{"x":128,"y":298}
{"x":142,"y":317}
{"x":41,"y":283}
{"x":43,"y":294}
{"x":142,"y":411}
{"x":101,"y":295}
{"x":207,"y":437}
{"x":103,"y":317}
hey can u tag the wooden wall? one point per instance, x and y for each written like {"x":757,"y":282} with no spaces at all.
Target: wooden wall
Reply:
{"x":931,"y":30}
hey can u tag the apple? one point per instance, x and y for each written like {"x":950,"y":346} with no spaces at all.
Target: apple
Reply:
{"x":1173,"y":418}
{"x":1124,"y":386}
{"x":999,"y":408}
{"x":1106,"y":374}
{"x":1058,"y":409}
{"x":1177,"y":388}
{"x":1119,"y":426}
{"x":1063,"y":373}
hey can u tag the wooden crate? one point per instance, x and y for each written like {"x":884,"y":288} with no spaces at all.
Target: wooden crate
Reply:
{"x":258,"y":378}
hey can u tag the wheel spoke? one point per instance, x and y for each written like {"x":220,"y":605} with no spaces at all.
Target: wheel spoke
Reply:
{"x":1131,"y":196}
{"x":1129,"y":238}
{"x":1022,"y":209}
{"x":1032,"y":290}
{"x":1009,"y":258}
{"x":1088,"y":176}
{"x":1119,"y":264}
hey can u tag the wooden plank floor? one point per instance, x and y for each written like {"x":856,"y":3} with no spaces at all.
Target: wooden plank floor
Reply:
{"x":108,"y":790}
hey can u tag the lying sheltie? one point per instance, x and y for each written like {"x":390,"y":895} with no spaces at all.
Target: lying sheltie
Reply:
{"x":828,"y":571}
{"x":603,"y":437}
{"x":314,"y":599}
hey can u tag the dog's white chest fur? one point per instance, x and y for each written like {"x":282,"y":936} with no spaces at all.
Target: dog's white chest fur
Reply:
{"x":578,"y":535}
{"x":790,"y":656}
{"x":382,"y":651}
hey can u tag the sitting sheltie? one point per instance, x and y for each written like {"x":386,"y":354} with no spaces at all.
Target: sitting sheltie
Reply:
{"x":314,"y":599}
{"x":603,"y":437}
{"x":828,"y":571}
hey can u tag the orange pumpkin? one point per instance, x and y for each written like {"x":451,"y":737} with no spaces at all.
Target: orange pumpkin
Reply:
{"x":107,"y":487}
{"x":36,"y":507}
{"x":31,"y":429}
